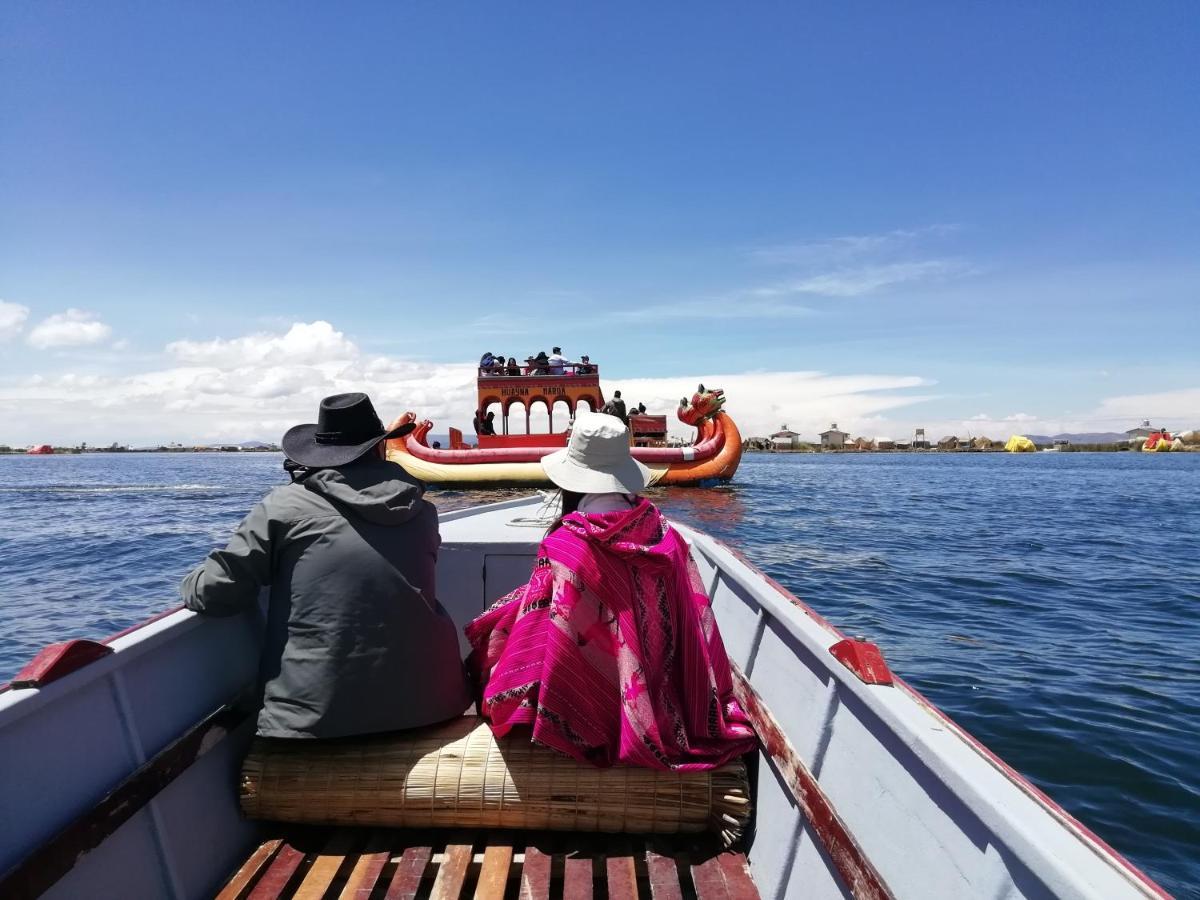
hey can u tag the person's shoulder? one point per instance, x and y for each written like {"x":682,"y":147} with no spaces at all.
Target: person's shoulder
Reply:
{"x":289,"y":501}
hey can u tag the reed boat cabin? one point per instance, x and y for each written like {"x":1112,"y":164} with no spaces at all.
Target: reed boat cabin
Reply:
{"x":514,"y":399}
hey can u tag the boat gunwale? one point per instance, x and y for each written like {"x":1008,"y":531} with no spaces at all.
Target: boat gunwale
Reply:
{"x":1099,"y":847}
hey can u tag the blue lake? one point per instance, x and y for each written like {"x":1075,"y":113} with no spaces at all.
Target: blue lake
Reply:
{"x":1049,"y":602}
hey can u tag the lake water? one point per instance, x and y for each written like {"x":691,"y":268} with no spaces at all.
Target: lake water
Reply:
{"x":1048,"y":602}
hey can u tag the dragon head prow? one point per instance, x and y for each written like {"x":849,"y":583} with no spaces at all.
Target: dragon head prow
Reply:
{"x":705,"y":404}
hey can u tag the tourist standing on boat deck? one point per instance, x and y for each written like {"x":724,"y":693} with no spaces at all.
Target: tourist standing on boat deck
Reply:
{"x":558,"y":362}
{"x":512,"y":368}
{"x":610,"y":653}
{"x":616,"y":407}
{"x":585,"y":366}
{"x":356,"y":641}
{"x":540,"y":364}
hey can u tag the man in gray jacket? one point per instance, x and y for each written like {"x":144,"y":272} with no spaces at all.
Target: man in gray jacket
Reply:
{"x":356,"y":641}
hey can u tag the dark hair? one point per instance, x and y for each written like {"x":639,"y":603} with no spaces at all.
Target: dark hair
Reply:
{"x":616,"y":394}
{"x":570,"y":504}
{"x":556,"y":349}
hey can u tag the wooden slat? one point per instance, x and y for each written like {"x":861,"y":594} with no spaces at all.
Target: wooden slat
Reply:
{"x":360,"y":884}
{"x":664,"y":876}
{"x":452,"y":872}
{"x":409,"y":872}
{"x":738,"y":882}
{"x":535,"y":875}
{"x":577,"y":878}
{"x":276,"y":878}
{"x":493,"y":876}
{"x":238,"y":886}
{"x":709,"y":880}
{"x":325,"y":867}
{"x":621,"y":872}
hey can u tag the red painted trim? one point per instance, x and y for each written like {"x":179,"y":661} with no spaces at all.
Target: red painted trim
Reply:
{"x":150,"y":621}
{"x":859,"y":876}
{"x":532,"y":447}
{"x":59,"y":660}
{"x":863,"y":659}
{"x":490,"y":442}
{"x":1104,"y":849}
{"x":13,"y":685}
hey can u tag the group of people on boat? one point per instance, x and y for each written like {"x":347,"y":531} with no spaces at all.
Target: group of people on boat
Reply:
{"x":491,"y":364}
{"x":609,"y":653}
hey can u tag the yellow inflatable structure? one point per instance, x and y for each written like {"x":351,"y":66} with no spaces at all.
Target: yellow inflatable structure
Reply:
{"x":1018,"y":443}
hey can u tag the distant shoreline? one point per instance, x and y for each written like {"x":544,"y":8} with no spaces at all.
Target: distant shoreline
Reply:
{"x":75,"y":451}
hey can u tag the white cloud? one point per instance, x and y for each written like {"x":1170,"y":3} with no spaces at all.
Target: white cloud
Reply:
{"x":840,"y":250}
{"x":257,"y":386}
{"x":808,"y":402}
{"x":12,"y":319}
{"x":725,"y":308}
{"x":859,"y":264}
{"x":860,"y":280}
{"x":1177,"y":409}
{"x":304,"y":343}
{"x":73,"y":328}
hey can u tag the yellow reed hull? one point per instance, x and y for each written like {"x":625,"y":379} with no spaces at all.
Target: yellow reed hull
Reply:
{"x":529,"y":474}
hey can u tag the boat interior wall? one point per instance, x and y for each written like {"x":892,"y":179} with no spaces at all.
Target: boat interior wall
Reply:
{"x":94,"y":727}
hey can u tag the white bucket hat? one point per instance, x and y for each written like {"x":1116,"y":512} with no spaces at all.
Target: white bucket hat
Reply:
{"x":596,"y":460}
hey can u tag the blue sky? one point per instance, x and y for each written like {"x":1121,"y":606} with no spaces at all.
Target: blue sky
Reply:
{"x":989,"y":209}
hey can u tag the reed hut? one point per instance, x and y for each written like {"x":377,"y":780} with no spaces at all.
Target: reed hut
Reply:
{"x":949,"y":442}
{"x":982,"y":443}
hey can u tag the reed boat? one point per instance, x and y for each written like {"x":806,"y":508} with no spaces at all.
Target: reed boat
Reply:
{"x":510,"y":458}
{"x":119,"y":760}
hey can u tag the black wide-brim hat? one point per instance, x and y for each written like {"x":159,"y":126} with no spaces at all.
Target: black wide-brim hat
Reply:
{"x":347,"y":427}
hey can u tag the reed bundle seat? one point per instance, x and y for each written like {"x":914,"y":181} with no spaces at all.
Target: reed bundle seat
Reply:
{"x":372,"y":864}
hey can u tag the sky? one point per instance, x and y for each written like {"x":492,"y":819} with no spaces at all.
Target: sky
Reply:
{"x":973,"y":217}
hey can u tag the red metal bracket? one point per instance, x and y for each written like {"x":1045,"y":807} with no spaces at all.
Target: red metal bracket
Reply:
{"x":57,"y":660}
{"x":863,"y":659}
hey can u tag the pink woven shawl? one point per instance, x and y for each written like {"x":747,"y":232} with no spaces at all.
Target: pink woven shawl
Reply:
{"x":610,"y":652}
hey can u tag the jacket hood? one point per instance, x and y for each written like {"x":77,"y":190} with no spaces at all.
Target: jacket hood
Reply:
{"x":378,"y":491}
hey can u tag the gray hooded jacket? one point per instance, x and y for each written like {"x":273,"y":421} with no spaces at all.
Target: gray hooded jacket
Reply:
{"x":356,"y":640}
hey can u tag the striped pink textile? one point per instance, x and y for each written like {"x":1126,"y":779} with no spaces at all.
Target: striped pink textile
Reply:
{"x":611,"y":652}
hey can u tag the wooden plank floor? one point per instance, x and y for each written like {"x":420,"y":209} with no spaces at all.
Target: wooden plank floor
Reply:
{"x":378,"y":864}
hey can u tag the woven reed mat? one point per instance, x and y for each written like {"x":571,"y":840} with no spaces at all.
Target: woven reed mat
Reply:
{"x":457,"y":775}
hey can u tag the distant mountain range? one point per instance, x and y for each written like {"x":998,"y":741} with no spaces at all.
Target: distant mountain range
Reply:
{"x":1089,"y":437}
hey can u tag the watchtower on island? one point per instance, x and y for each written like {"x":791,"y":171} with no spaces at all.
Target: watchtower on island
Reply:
{"x":514,"y":397}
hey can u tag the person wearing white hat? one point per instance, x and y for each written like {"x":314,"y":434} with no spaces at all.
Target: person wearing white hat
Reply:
{"x":610,"y":653}
{"x":595,"y":470}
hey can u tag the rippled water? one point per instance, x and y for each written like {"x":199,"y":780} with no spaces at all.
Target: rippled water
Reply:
{"x":1048,"y":602}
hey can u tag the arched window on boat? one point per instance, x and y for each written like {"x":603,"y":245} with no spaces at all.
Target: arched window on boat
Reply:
{"x":494,"y":406}
{"x":586,"y":403}
{"x":539,"y":416}
{"x":516,"y":417}
{"x":560,"y":416}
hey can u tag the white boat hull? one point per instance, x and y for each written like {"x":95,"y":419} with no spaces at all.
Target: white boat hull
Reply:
{"x":929,"y":812}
